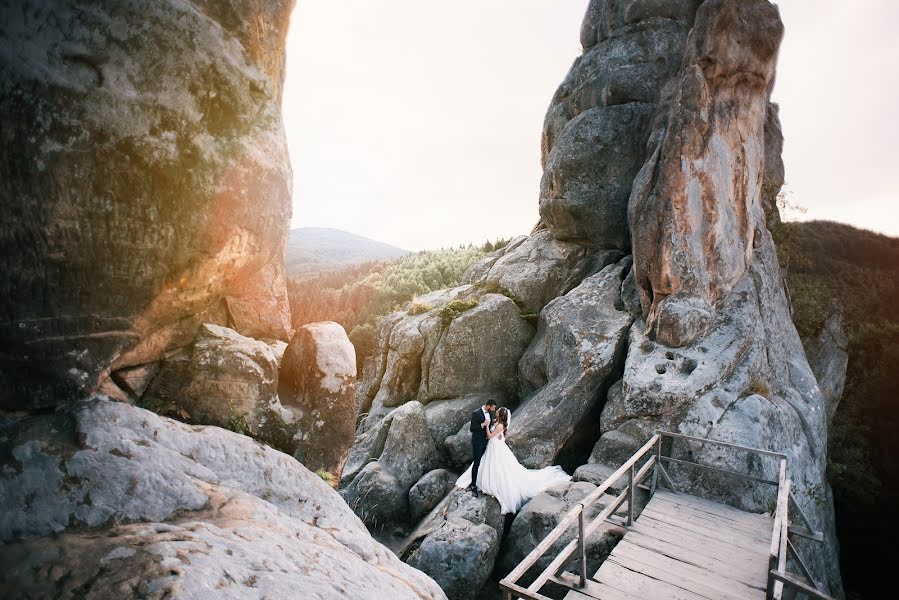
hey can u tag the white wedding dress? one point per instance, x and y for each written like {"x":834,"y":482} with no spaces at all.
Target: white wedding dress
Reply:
{"x":502,"y":476}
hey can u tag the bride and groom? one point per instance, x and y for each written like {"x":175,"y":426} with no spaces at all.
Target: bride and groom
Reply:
{"x":495,"y":470}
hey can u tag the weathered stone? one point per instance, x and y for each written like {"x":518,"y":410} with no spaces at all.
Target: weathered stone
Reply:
{"x":429,"y":491}
{"x":587,"y":177}
{"x":141,"y":504}
{"x":828,"y":357}
{"x":580,"y":341}
{"x":146,"y":179}
{"x":695,"y":211}
{"x":135,"y":380}
{"x":445,"y":417}
{"x":774,"y":165}
{"x":380,"y":473}
{"x":317,"y":382}
{"x":458,"y":448}
{"x":223,"y":378}
{"x":457,"y":544}
{"x":533,"y":272}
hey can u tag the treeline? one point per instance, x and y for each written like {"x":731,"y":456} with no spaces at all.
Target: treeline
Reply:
{"x":826,"y":262}
{"x":357,"y":297}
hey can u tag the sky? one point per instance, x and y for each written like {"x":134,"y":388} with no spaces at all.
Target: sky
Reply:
{"x":417,"y":122}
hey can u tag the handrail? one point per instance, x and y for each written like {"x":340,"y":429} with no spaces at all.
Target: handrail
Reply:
{"x":508,"y":583}
{"x":778,"y":576}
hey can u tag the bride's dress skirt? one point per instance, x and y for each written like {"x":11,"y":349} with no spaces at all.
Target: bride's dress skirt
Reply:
{"x":502,"y":476}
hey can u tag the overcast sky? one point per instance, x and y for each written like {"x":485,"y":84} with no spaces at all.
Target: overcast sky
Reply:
{"x":417,"y":122}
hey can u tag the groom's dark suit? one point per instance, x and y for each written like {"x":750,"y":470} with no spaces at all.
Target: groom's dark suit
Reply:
{"x":478,"y":442}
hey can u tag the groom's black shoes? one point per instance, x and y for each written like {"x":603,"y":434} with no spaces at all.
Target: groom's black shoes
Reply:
{"x":474,"y":491}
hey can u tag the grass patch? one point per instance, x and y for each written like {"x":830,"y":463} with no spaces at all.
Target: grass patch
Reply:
{"x":452,"y":309}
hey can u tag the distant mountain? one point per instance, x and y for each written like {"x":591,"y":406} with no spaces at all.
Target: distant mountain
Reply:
{"x":321,"y":249}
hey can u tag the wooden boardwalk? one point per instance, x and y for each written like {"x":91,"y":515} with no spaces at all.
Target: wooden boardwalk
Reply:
{"x":686,"y":548}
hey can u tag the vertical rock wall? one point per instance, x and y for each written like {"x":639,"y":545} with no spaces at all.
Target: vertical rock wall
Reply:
{"x":146,"y":186}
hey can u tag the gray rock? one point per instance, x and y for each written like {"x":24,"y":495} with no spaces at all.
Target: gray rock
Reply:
{"x":224,"y":379}
{"x":580,"y":341}
{"x":141,"y":503}
{"x":587,"y":177}
{"x":135,"y":380}
{"x":384,"y":465}
{"x":541,"y":515}
{"x":445,"y":417}
{"x":429,"y":491}
{"x":150,"y":161}
{"x":317,"y":383}
{"x":458,"y":448}
{"x":774,"y":165}
{"x":828,"y":358}
{"x":457,"y":544}
{"x":532,"y":273}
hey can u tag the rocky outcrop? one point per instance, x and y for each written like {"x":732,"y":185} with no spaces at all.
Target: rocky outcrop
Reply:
{"x":384,"y":465}
{"x":146,"y":185}
{"x":223,"y":379}
{"x":458,"y":543}
{"x":695,"y":212}
{"x":580,"y":341}
{"x":774,"y":165}
{"x":429,"y":491}
{"x":110,"y":500}
{"x":317,"y":383}
{"x":828,"y":357}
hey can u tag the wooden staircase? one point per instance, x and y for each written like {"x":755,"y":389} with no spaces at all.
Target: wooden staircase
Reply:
{"x":681,"y":546}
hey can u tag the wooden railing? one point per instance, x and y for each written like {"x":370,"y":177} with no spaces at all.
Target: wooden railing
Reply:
{"x":781,"y":545}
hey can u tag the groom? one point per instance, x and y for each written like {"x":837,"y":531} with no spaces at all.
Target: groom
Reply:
{"x":480,"y":421}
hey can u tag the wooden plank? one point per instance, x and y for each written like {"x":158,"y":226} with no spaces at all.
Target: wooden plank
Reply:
{"x":799,"y":584}
{"x":673,"y":570}
{"x":594,"y":589}
{"x":700,"y":505}
{"x":752,"y":573}
{"x":723,"y":444}
{"x":642,"y":585}
{"x":705,"y":533}
{"x":700,"y":545}
{"x":758,"y":529}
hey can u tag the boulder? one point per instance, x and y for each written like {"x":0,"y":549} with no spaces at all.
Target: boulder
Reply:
{"x":539,"y":517}
{"x":774,"y":165}
{"x":587,"y":177}
{"x":458,"y":448}
{"x":385,"y":463}
{"x":536,"y":270}
{"x":828,"y":357}
{"x":317,"y":383}
{"x":225,"y":379}
{"x":146,"y":161}
{"x":446,"y":417}
{"x":429,"y":491}
{"x":109,"y":500}
{"x":695,"y":212}
{"x":579,"y":345}
{"x":457,"y":544}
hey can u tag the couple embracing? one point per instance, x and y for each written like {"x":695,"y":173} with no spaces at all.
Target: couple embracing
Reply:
{"x":495,"y":470}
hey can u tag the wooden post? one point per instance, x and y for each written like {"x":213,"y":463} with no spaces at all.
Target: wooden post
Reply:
{"x":655,"y":472}
{"x":630,"y":496}
{"x":507,"y":595}
{"x":582,"y":548}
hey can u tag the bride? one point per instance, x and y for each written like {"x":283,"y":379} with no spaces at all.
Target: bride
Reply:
{"x":503,"y":477}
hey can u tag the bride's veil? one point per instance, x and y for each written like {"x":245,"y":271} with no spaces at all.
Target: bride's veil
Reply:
{"x":508,"y":419}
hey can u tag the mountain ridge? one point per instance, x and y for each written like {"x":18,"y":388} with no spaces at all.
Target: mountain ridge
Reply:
{"x":313,"y":250}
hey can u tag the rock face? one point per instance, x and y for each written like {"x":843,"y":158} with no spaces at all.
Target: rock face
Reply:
{"x":145,"y":506}
{"x":224,"y":377}
{"x":828,"y":358}
{"x":429,"y":491}
{"x":146,"y":183}
{"x":317,"y":383}
{"x":458,"y":543}
{"x":695,"y":213}
{"x":580,"y":341}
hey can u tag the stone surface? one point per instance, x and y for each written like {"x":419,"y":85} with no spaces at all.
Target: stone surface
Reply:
{"x":587,"y":177}
{"x":146,"y":181}
{"x":429,"y":491}
{"x":828,"y":358}
{"x":540,"y":516}
{"x":535,"y":270}
{"x":457,"y":544}
{"x":385,"y":463}
{"x":223,"y":377}
{"x":774,"y":165}
{"x":579,"y":345}
{"x":317,"y":383}
{"x":110,"y":500}
{"x":446,"y":417}
{"x":695,"y":212}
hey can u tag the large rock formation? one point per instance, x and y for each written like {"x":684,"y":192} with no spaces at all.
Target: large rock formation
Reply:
{"x":829,"y":358}
{"x":111,"y":501}
{"x":317,"y":383}
{"x":145,"y":185}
